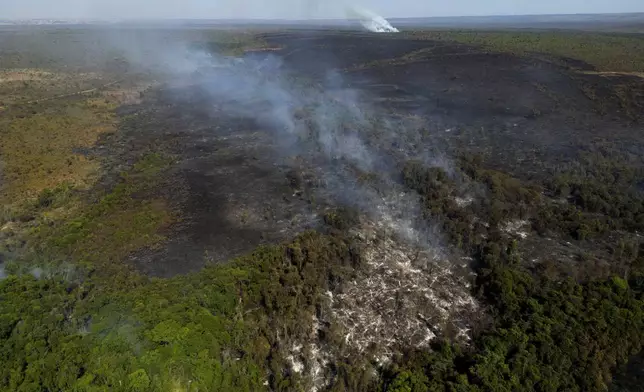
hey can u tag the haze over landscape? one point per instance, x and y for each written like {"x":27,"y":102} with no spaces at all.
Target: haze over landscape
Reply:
{"x":298,"y":9}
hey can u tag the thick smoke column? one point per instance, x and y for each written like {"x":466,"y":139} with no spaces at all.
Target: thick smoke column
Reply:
{"x":371,"y":21}
{"x":368,"y":19}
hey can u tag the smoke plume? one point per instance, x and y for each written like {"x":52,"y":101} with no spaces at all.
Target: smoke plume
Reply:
{"x":370,"y":20}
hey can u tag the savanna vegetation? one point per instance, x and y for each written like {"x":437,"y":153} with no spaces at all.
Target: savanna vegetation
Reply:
{"x":605,"y":52}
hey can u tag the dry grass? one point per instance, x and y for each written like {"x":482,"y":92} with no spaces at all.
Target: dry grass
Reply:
{"x":115,"y":234}
{"x":22,"y":75}
{"x":42,"y":143}
{"x":120,"y":222}
{"x":18,"y":86}
{"x":45,"y":161}
{"x":38,"y":151}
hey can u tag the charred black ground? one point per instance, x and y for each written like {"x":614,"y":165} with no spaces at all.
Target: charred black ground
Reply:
{"x":528,"y":116}
{"x":227,"y":181}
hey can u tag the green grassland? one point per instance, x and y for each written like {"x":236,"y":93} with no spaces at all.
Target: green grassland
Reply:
{"x":75,"y":316}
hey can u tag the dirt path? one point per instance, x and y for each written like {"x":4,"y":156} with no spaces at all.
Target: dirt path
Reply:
{"x":610,"y":73}
{"x":71,"y":94}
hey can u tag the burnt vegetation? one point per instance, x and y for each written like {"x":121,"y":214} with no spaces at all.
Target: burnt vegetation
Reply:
{"x":125,"y":264}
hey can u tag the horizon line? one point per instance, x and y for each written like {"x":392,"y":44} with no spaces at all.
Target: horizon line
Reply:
{"x":314,"y":19}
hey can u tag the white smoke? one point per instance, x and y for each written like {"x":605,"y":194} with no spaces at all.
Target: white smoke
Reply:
{"x":367,"y":18}
{"x":370,"y":20}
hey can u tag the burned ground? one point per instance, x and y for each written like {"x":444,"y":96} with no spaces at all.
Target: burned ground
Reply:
{"x":227,"y":181}
{"x":486,"y":101}
{"x":527,"y":116}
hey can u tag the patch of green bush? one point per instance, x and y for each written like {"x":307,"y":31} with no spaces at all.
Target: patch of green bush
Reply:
{"x":214,"y":330}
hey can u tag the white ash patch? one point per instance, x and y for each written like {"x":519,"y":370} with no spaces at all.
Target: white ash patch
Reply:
{"x":317,"y":359}
{"x":463,"y":201}
{"x":311,"y":359}
{"x":516,"y":228}
{"x":403,"y":297}
{"x":405,"y":294}
{"x":383,"y":360}
{"x":9,"y":228}
{"x":294,"y":359}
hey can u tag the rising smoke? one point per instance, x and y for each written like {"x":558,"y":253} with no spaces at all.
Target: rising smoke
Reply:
{"x":370,"y":20}
{"x":327,"y":120}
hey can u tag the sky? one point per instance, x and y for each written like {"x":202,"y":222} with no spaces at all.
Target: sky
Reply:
{"x":298,"y":9}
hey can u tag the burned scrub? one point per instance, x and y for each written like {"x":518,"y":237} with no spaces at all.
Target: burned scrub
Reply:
{"x":232,"y":194}
{"x":480,"y":101}
{"x":355,"y":309}
{"x":404,"y":294}
{"x":566,"y":155}
{"x":246,"y":127}
{"x":527,"y":233}
{"x":260,"y":153}
{"x":352,"y":157}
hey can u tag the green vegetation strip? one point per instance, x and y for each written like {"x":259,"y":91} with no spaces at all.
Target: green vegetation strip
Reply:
{"x":606,"y":52}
